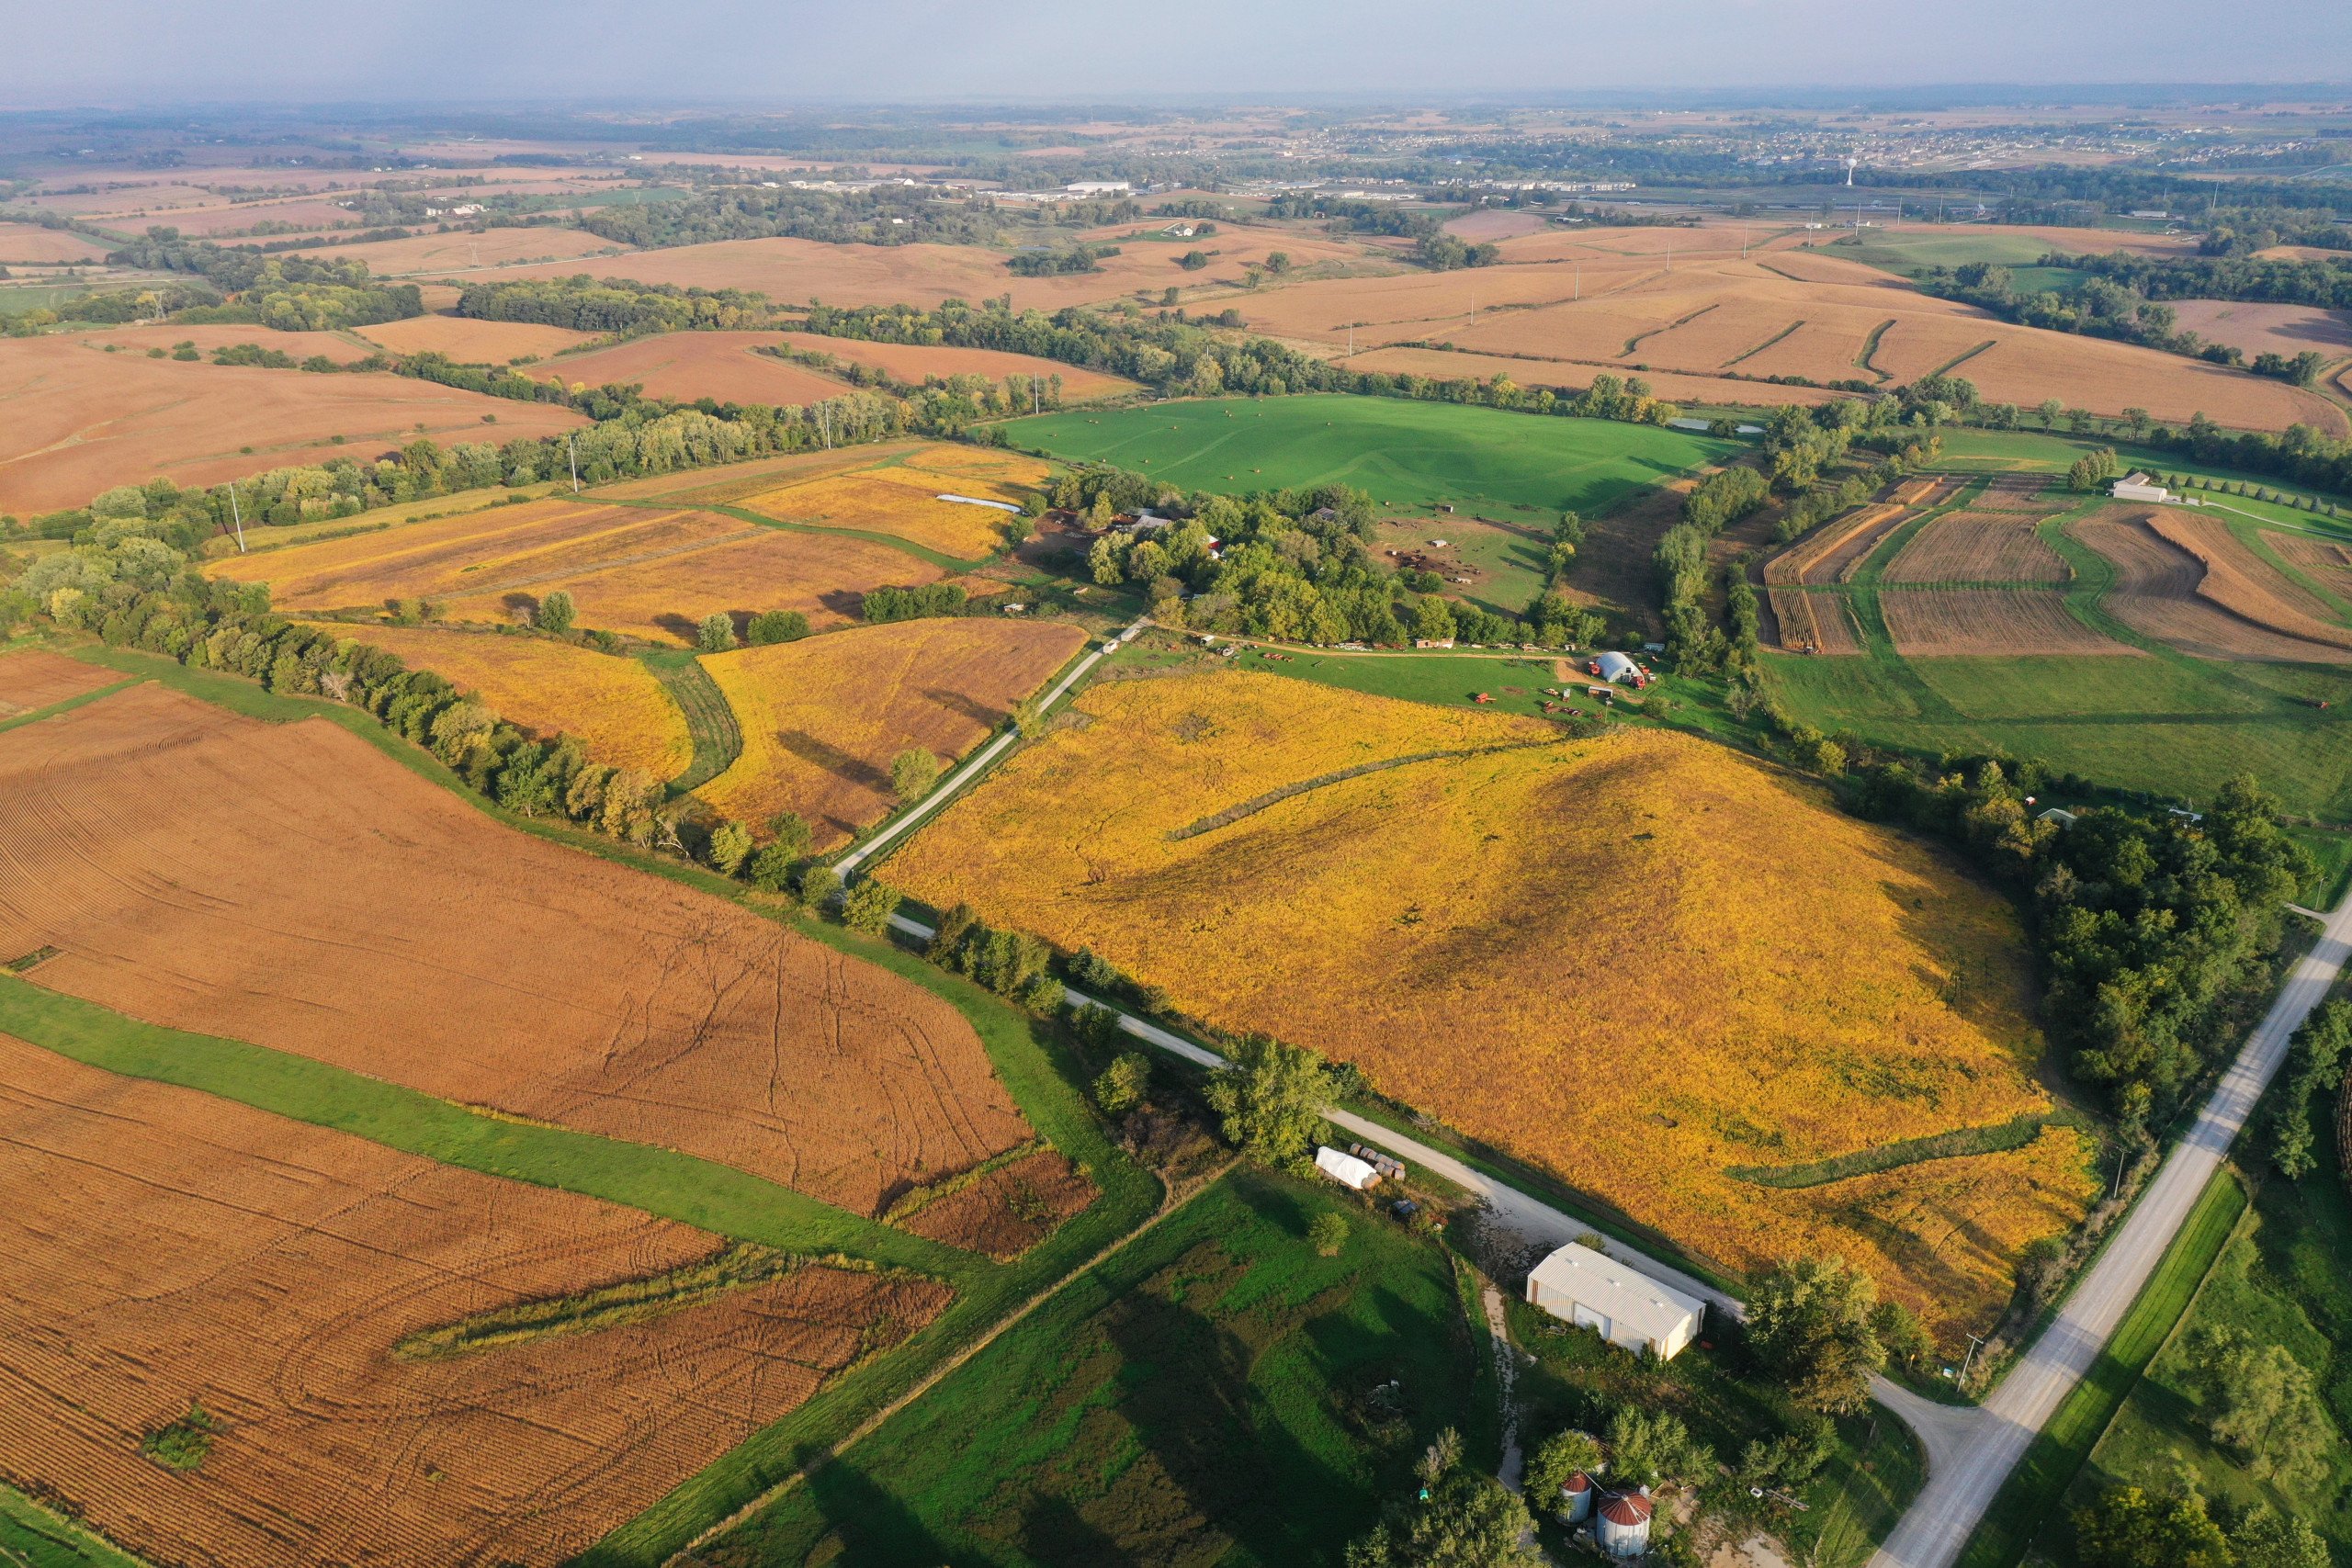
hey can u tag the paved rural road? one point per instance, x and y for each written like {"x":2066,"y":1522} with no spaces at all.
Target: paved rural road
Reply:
{"x":975,"y":764}
{"x":1988,"y":1441}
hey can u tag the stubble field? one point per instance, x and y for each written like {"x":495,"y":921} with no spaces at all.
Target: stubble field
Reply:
{"x":33,"y":678}
{"x":2159,"y":590}
{"x":170,"y":1251}
{"x":683,"y":367}
{"x":1679,"y":961}
{"x":915,"y":363}
{"x":823,"y":717}
{"x":291,"y":886}
{"x":470,"y":341}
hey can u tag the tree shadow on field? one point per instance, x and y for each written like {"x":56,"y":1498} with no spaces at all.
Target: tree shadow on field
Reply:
{"x":846,"y":601}
{"x":1971,"y":989}
{"x":978,"y":713}
{"x":679,"y":626}
{"x":1054,"y":1531}
{"x":524,"y":607}
{"x":876,"y":1529}
{"x":832,"y":758}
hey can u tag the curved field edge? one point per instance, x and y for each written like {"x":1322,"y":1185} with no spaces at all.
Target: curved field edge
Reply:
{"x":711,"y":723}
{"x":1272,"y":797}
{"x":1034,"y":1063}
{"x":34,"y":1535}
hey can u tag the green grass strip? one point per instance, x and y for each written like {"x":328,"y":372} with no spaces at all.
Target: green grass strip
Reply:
{"x":1948,"y":365}
{"x":1760,"y":347}
{"x":711,"y":723}
{"x":1999,"y":1137}
{"x":1869,"y":350}
{"x":699,"y":1193}
{"x":1638,"y":338}
{"x":35,"y":715}
{"x":35,"y":1536}
{"x":2030,"y":1497}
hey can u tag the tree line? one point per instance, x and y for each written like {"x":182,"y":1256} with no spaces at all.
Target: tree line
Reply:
{"x":290,"y":293}
{"x":615,"y":305}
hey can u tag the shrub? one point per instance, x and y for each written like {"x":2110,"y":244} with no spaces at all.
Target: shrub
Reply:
{"x":1121,"y":1086}
{"x":717,"y":633}
{"x":1328,"y":1232}
{"x":771,"y":626}
{"x":869,"y":907}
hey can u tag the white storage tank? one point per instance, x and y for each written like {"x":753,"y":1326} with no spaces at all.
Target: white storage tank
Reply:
{"x":1620,"y":1525}
{"x":1576,"y":1498}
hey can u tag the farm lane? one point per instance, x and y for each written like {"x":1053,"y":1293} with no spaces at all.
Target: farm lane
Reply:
{"x":1960,"y":1490}
{"x":978,"y":764}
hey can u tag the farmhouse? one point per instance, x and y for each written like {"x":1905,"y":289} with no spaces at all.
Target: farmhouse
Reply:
{"x":1626,"y":1307}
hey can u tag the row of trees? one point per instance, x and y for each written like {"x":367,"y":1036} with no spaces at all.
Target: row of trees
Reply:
{"x":290,"y":293}
{"x":616,"y":305}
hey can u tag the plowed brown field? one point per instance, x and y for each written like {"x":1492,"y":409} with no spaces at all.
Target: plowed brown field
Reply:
{"x":2156,"y":593}
{"x":167,"y":1247}
{"x":2257,"y":329}
{"x":914,"y":362}
{"x":2244,"y":584}
{"x":2323,"y":558}
{"x":643,"y":570}
{"x":1924,"y":621}
{"x":473,"y":343}
{"x":31,"y":244}
{"x":76,"y":420}
{"x":822,"y":717}
{"x":33,"y":678}
{"x":291,"y":886}
{"x":1010,"y":1209}
{"x":1978,"y":547}
{"x":1766,"y":315}
{"x":686,"y":365}
{"x":457,"y":254}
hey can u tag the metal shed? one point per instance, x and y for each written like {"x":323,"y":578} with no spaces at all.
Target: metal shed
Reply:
{"x":1626,"y":1306}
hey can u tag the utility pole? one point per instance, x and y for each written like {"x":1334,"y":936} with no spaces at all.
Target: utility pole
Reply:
{"x":1974,"y":1344}
{"x":237,"y":515}
{"x":571,"y":444}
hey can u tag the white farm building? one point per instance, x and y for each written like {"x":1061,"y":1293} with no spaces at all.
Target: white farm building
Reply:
{"x":2139,"y":487}
{"x":1615,"y":667}
{"x":1626,"y":1307}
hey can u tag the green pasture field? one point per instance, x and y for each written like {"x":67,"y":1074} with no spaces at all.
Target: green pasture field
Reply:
{"x":1215,"y":1394}
{"x":1912,"y":252}
{"x":2280,"y":1279}
{"x":1508,"y":566}
{"x":1409,"y":456}
{"x":32,"y":1536}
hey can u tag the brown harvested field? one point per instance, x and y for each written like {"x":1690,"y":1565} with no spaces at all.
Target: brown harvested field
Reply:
{"x":1978,"y":547}
{"x":204,"y":222}
{"x":33,"y":678}
{"x":1496,"y":223}
{"x":2018,"y":493}
{"x":686,"y":365}
{"x":731,"y":483}
{"x":1010,"y":1209}
{"x":2288,"y":330}
{"x":473,"y":343}
{"x":822,"y":717}
{"x":613,"y":704}
{"x":915,"y":361}
{"x":29,"y":245}
{"x":1445,"y":364}
{"x":167,"y":1248}
{"x":2156,"y":593}
{"x":645,"y":570}
{"x":2325,"y":560}
{"x":1832,"y":552}
{"x":801,"y":271}
{"x":75,"y":419}
{"x":2244,"y":584}
{"x":291,"y":885}
{"x":1814,"y":622}
{"x":455,"y":254}
{"x":1925,"y":622}
{"x":163,"y":336}
{"x":1767,"y":315}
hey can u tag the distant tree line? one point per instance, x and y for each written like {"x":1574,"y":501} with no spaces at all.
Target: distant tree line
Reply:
{"x":290,"y":293}
{"x":885,"y":216}
{"x":615,"y":305}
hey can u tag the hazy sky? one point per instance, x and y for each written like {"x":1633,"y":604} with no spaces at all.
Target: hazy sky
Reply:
{"x":126,"y":51}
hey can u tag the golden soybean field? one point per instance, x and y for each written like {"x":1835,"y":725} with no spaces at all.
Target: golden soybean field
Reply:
{"x":1638,"y":960}
{"x":902,"y":498}
{"x":822,"y":717}
{"x":613,"y":704}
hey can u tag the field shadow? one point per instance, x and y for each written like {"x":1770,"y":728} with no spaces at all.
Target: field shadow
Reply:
{"x":832,"y":758}
{"x":524,"y":607}
{"x":849,"y":603}
{"x":1052,"y":1530}
{"x":679,"y":626}
{"x":874,"y":1526}
{"x":1973,"y":993}
{"x":978,"y":713}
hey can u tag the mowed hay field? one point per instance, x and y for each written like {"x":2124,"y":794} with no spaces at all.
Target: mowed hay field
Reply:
{"x":292,"y":886}
{"x":900,"y":494}
{"x":167,"y":1248}
{"x":1783,"y":313}
{"x":1639,"y":961}
{"x":33,"y":678}
{"x":613,"y":704}
{"x":76,"y":420}
{"x":915,"y":363}
{"x":822,"y":717}
{"x":649,"y":571}
{"x":683,"y":367}
{"x":2160,"y":591}
{"x":473,"y":343}
{"x":1407,"y":455}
